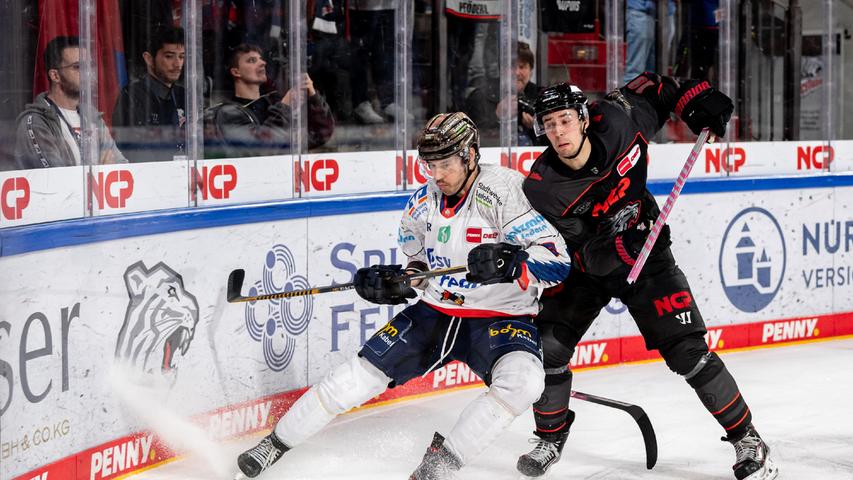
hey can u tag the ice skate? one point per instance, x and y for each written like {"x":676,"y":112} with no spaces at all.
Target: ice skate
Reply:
{"x":438,"y":463}
{"x":260,"y":457}
{"x":547,"y":452}
{"x":753,"y":462}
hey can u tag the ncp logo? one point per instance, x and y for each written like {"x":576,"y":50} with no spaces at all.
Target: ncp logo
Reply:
{"x":277,"y":323}
{"x":318,"y":174}
{"x":752,"y":259}
{"x":111,"y":189}
{"x":14,"y":197}
{"x":217,"y":181}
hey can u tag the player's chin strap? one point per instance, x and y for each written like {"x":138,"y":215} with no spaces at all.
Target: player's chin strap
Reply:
{"x":444,"y":353}
{"x":469,"y":171}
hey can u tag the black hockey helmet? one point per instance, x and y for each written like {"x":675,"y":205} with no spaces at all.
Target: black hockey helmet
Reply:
{"x":448,"y":134}
{"x":561,"y":96}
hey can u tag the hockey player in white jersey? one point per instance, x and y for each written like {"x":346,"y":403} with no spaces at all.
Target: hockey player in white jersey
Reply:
{"x":467,"y":214}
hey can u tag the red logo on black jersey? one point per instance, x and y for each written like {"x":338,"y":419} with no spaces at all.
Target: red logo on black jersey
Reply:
{"x":628,"y":161}
{"x":615,"y":195}
{"x":676,"y":301}
{"x":535,"y":176}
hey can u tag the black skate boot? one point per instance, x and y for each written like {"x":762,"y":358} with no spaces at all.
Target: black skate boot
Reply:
{"x":549,"y":447}
{"x":753,"y":462}
{"x":260,"y":457}
{"x":438,"y":463}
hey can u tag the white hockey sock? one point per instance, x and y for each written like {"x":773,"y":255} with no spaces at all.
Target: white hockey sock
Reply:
{"x":305,"y":418}
{"x":347,"y":386}
{"x":478,"y":426}
{"x":517,"y":381}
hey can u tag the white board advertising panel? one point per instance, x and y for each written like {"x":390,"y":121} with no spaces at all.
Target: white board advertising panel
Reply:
{"x":42,"y":195}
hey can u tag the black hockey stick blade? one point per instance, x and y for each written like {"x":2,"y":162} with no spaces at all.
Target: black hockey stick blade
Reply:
{"x":639,"y":416}
{"x":235,"y":284}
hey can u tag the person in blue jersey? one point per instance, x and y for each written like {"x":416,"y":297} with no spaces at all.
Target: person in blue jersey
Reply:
{"x":467,"y":214}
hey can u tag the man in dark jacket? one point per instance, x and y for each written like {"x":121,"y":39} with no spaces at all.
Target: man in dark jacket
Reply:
{"x":149,"y":117}
{"x":255,"y":124}
{"x":591,"y":184}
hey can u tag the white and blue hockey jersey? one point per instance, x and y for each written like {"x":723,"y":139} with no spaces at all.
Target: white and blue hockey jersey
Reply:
{"x":493,"y":210}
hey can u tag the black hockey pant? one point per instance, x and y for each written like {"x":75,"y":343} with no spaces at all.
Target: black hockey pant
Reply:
{"x":664,"y":309}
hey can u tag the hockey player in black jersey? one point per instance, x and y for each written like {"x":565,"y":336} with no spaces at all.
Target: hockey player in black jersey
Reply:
{"x":591,"y":184}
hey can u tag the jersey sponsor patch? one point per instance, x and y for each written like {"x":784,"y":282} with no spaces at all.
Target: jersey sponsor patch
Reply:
{"x":480,"y":234}
{"x":512,"y":332}
{"x":393,"y":332}
{"x":530,"y":228}
{"x":628,"y":161}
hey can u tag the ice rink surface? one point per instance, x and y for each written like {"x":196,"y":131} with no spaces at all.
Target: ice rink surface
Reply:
{"x":800,"y":396}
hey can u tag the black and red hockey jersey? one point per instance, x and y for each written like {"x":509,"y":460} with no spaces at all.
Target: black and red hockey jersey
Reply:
{"x":604,"y":210}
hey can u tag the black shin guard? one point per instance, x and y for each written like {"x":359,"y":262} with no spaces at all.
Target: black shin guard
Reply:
{"x":709,"y":377}
{"x":551,"y":411}
{"x":718,"y":391}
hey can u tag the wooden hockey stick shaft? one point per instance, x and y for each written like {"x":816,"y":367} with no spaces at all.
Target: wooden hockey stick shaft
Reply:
{"x":236,"y":277}
{"x":667,"y":207}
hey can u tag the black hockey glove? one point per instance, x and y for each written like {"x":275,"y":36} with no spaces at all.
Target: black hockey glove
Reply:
{"x":385,"y":284}
{"x":704,"y":106}
{"x":495,"y":263}
{"x":630,"y":243}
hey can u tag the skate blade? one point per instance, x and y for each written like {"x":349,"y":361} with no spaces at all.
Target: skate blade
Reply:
{"x":240,"y":476}
{"x":768,"y":472}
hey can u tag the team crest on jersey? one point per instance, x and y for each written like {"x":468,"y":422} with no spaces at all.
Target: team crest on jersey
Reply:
{"x":444,"y":234}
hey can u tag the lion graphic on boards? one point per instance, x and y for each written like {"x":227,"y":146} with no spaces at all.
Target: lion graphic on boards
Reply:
{"x":160,"y":320}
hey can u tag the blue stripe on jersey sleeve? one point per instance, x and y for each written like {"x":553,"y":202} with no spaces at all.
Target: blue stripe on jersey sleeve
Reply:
{"x":549,"y":272}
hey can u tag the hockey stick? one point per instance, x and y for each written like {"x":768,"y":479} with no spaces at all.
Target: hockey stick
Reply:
{"x":235,"y":285}
{"x":639,"y":416}
{"x":667,"y":207}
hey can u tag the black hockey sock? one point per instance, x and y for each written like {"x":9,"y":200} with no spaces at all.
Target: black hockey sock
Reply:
{"x":551,"y":411}
{"x":718,"y":391}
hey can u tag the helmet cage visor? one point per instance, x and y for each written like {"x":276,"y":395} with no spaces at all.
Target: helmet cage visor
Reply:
{"x":568,"y":115}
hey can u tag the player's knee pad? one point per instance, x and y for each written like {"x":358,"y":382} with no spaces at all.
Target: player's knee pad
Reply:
{"x":687,"y":356}
{"x":558,"y":346}
{"x":517,"y":381}
{"x":351,"y":384}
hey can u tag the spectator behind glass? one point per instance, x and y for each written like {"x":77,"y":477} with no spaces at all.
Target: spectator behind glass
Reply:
{"x":48,"y":133}
{"x":372,"y":37}
{"x":149,"y":117}
{"x":640,"y":18}
{"x":255,"y":124}
{"x":329,"y":55}
{"x":698,"y":50}
{"x":488,"y":112}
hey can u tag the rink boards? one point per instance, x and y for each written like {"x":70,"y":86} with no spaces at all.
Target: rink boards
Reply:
{"x":769,"y":261}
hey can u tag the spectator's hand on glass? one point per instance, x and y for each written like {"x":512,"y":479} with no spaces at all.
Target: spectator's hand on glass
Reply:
{"x":107,"y":157}
{"x":507,"y":107}
{"x":307,"y":84}
{"x":527,"y":120}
